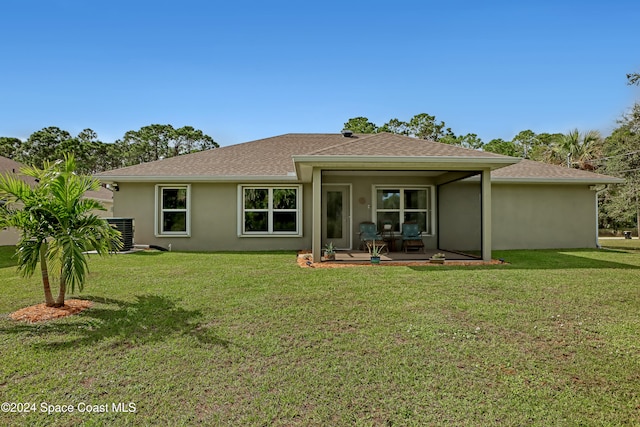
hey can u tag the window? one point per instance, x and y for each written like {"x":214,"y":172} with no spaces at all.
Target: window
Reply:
{"x":398,"y":205}
{"x":172,"y":202}
{"x":270,"y":211}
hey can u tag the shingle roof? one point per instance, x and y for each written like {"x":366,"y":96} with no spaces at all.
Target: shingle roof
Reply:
{"x":391,"y":145}
{"x":528,"y":170}
{"x":264,"y":157}
{"x":273,"y":157}
{"x":101,"y":194}
{"x":11,"y":166}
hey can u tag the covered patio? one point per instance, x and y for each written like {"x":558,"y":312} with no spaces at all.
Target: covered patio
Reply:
{"x":396,"y":180}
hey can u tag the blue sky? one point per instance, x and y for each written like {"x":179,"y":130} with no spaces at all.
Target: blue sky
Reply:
{"x":244,"y":70}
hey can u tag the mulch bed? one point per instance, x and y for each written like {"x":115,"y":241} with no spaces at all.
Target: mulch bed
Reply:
{"x":41,"y":313}
{"x":306,"y":261}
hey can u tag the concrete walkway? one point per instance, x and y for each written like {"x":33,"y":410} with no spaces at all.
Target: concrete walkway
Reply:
{"x":363,"y":256}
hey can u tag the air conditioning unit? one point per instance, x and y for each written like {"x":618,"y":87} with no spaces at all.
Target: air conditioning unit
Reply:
{"x":125,"y":227}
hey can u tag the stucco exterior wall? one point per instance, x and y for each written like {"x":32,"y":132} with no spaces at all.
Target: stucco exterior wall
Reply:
{"x":524,"y":216}
{"x":214,"y":219}
{"x":8,"y":237}
{"x":108,"y":213}
{"x":459,"y":216}
{"x":543,"y":216}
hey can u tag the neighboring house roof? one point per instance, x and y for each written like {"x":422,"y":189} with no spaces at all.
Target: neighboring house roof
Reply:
{"x":101,"y":194}
{"x":11,"y":166}
{"x":289,"y":156}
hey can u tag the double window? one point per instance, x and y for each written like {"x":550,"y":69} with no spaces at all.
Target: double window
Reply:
{"x":270,"y":210}
{"x":395,"y":206}
{"x":173,"y":216}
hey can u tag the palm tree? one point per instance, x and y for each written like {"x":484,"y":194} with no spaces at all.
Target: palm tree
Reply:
{"x":21,"y":210}
{"x":576,"y":148}
{"x":56,"y":223}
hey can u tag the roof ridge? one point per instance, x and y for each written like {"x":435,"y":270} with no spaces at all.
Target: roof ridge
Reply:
{"x":349,"y":141}
{"x":413,"y":139}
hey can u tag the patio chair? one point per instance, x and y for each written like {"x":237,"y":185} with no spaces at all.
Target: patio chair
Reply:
{"x":412,"y":237}
{"x":369,"y":233}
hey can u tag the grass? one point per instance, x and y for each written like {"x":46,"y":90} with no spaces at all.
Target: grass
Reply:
{"x":623,"y":244}
{"x":553,"y":338}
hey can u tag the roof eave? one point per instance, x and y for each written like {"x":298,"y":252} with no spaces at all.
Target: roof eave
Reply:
{"x":571,"y":181}
{"x":305,"y":163}
{"x":395,"y":161}
{"x":354,"y":162}
{"x":200,"y":178}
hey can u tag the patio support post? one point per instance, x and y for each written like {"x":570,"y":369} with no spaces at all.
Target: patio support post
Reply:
{"x":486,"y":215}
{"x":316,"y":228}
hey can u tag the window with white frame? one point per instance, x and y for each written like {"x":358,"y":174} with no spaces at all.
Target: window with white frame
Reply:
{"x":397,"y":205}
{"x":270,"y":210}
{"x":172,"y":204}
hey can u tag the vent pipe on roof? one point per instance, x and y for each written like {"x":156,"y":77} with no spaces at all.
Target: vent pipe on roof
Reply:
{"x":347,"y":133}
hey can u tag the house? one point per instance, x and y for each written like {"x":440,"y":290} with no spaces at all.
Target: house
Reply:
{"x":9,"y":236}
{"x":299,"y":191}
{"x":9,"y":166}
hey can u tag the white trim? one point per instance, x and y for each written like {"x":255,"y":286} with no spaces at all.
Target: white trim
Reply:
{"x":291,"y":178}
{"x":580,"y":181}
{"x":497,"y":161}
{"x":561,"y":181}
{"x":597,"y":195}
{"x":316,"y":213}
{"x":379,"y":173}
{"x":198,"y":178}
{"x":157,"y":225}
{"x":270,"y":233}
{"x":431,"y":210}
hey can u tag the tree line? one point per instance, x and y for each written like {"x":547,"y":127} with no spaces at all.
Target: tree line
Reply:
{"x":617,"y":154}
{"x":573,"y":149}
{"x":149,"y":143}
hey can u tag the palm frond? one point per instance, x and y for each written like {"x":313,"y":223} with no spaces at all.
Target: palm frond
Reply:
{"x":56,"y":222}
{"x":12,"y":189}
{"x":67,"y":257}
{"x":28,"y":252}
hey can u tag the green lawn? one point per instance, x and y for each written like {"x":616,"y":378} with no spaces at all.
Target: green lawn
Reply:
{"x":551,"y":339}
{"x":624,"y":244}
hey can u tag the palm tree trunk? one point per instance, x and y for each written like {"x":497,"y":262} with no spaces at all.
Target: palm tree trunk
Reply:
{"x":48,"y":297}
{"x":63,"y":291}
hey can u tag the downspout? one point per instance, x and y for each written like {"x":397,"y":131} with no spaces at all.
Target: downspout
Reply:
{"x":598,"y":213}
